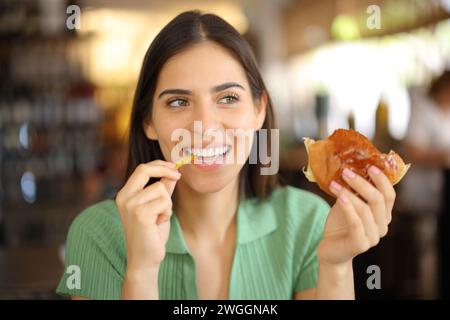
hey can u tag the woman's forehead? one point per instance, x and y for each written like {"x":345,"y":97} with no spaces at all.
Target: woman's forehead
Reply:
{"x":206,"y":64}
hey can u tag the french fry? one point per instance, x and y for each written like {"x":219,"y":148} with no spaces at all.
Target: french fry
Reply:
{"x":184,"y":160}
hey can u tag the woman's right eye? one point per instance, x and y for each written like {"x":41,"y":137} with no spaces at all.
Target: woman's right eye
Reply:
{"x":175,"y":103}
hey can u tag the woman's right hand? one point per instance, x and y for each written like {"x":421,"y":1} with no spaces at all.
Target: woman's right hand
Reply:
{"x":145,"y":213}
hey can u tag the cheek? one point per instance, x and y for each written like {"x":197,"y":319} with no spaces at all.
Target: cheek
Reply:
{"x":164,"y":130}
{"x":242,"y":118}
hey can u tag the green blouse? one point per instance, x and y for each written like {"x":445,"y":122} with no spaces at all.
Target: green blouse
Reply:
{"x":275,"y":253}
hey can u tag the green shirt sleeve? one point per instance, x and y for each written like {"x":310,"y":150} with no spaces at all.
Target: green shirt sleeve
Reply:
{"x":95,"y":255}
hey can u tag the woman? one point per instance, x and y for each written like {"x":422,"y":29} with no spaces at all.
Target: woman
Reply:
{"x":425,"y":189}
{"x":215,"y":231}
{"x":427,"y":144}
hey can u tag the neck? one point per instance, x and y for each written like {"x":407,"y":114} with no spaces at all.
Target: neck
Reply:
{"x":207,"y":215}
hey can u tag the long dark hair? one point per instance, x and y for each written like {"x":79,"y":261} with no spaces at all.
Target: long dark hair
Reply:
{"x":186,"y":29}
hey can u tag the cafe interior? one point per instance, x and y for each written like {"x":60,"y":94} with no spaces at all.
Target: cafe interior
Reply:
{"x":66,"y":91}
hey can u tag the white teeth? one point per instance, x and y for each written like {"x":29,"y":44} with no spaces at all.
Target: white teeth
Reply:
{"x":208,"y":152}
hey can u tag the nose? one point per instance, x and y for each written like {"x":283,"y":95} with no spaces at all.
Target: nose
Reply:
{"x":204,"y":113}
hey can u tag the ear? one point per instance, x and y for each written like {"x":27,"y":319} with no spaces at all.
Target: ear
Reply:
{"x":149,"y":130}
{"x":261,"y":111}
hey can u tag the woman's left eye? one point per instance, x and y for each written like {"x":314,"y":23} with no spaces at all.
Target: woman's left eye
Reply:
{"x":228,"y":99}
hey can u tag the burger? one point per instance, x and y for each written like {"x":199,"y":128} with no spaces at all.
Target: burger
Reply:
{"x":348,"y":149}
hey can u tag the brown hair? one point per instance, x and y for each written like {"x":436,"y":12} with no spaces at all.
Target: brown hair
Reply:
{"x":185,"y":30}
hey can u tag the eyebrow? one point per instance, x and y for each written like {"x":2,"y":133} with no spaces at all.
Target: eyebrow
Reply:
{"x":217,"y":88}
{"x":227,"y":85}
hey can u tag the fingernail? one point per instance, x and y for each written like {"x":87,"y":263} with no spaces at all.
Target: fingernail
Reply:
{"x":344,"y":198}
{"x":348,"y":173}
{"x":336,"y":186}
{"x":374,"y":170}
{"x":171,"y":164}
{"x":177,"y":174}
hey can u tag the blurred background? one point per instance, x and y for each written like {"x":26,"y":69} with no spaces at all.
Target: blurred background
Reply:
{"x":66,"y":87}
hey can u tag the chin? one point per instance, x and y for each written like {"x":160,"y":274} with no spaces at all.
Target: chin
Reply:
{"x":205,"y":188}
{"x":210,"y":182}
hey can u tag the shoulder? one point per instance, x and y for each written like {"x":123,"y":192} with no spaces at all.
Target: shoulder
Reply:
{"x":290,"y":195}
{"x":100,"y":223}
{"x":95,"y":244}
{"x":291,"y":211}
{"x":300,"y":214}
{"x":101,"y":215}
{"x":298,"y":205}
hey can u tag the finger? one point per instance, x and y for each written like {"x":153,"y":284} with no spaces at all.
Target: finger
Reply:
{"x":371,"y":194}
{"x":164,"y":227}
{"x":386,"y":188}
{"x":154,"y":209}
{"x":371,"y":228}
{"x":143,"y":172}
{"x":169,"y":185}
{"x":152,"y":192}
{"x":163,"y":218}
{"x":357,"y":240}
{"x":165,"y":215}
{"x":163,"y":163}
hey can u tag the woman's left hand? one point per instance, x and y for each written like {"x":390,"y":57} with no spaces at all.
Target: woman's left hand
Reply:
{"x":356,"y":223}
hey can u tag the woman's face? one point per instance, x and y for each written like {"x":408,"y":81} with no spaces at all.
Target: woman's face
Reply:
{"x":205,"y":84}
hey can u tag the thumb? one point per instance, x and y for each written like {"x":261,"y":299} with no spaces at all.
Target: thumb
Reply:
{"x":169,"y":184}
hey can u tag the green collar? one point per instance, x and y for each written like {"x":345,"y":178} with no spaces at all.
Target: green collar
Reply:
{"x":255,"y":220}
